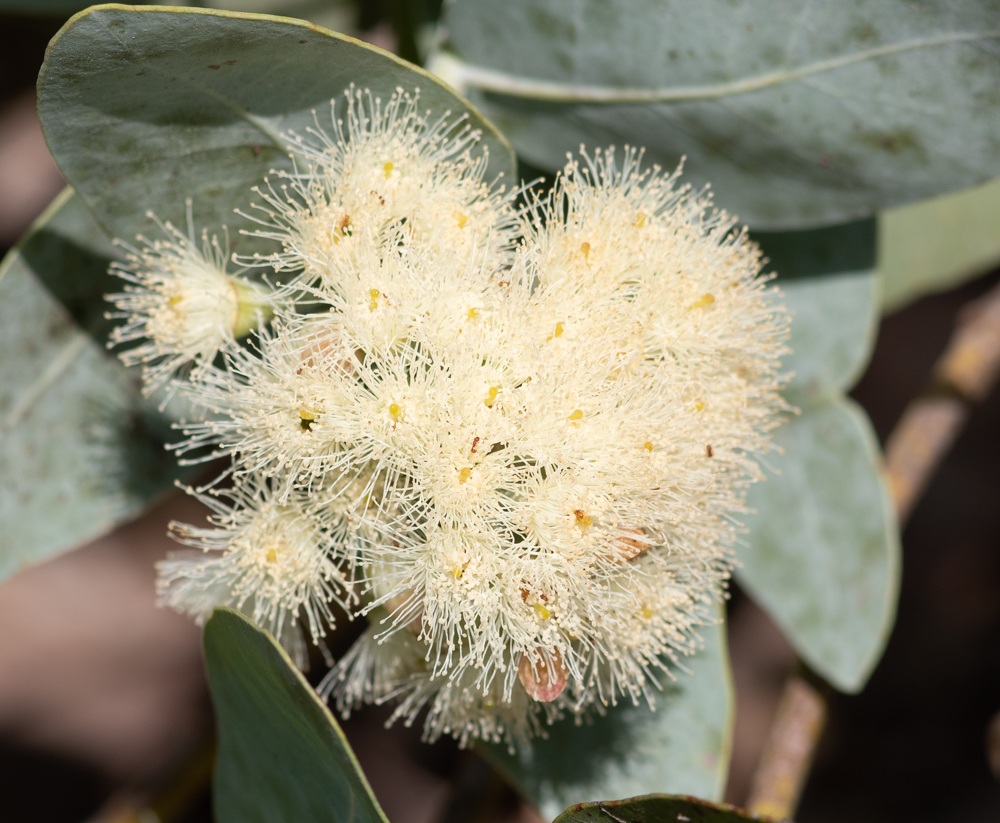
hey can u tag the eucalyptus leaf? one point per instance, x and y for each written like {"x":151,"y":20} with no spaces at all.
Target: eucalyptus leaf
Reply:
{"x":824,"y":555}
{"x":938,"y":244}
{"x":282,"y":757}
{"x":798,"y":114}
{"x":834,"y":321}
{"x":823,"y":552}
{"x":656,"y":808}
{"x":146,"y":107}
{"x":682,"y":746}
{"x":80,"y":452}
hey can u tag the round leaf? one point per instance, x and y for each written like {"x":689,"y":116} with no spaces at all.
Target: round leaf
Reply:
{"x":824,"y":555}
{"x":146,"y":107}
{"x":682,"y":746}
{"x":834,"y":321}
{"x":797,"y":113}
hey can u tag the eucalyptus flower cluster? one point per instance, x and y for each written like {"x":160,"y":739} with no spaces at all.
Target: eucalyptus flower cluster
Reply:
{"x":512,"y":429}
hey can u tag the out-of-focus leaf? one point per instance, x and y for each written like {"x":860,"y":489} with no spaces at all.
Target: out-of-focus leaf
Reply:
{"x":833,"y":331}
{"x":79,"y":451}
{"x":935,"y":245}
{"x":282,"y":757}
{"x":682,"y":746}
{"x":145,"y":107}
{"x":829,"y":250}
{"x":655,"y":808}
{"x":824,"y":556}
{"x":797,"y":113}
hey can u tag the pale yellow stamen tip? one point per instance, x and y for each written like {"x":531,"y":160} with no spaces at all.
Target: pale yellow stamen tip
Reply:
{"x":394,"y":411}
{"x":583,"y":520}
{"x":491,"y":395}
{"x":373,"y":296}
{"x":307,"y":415}
{"x":706,"y":299}
{"x":272,"y":556}
{"x":648,"y":445}
{"x":175,"y":300}
{"x":699,"y":405}
{"x":461,"y":219}
{"x":473,"y":314}
{"x":457,"y":571}
{"x":640,"y":220}
{"x":585,"y":248}
{"x":576,"y":415}
{"x":388,"y":167}
{"x":541,"y":611}
{"x":647,"y":613}
{"x":464,"y":474}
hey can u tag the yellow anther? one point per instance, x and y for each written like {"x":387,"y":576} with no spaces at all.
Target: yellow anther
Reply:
{"x":699,"y":405}
{"x":585,"y":248}
{"x":464,"y":474}
{"x":647,"y":613}
{"x":491,"y":395}
{"x":388,"y":167}
{"x":394,"y":411}
{"x":706,"y":299}
{"x":175,"y":300}
{"x":559,"y":329}
{"x":472,"y":314}
{"x":583,"y":520}
{"x":307,"y":415}
{"x":272,"y":556}
{"x":541,"y":611}
{"x":648,"y":445}
{"x":576,"y":415}
{"x":640,"y":220}
{"x":373,"y":296}
{"x":461,"y":219}
{"x":457,"y":571}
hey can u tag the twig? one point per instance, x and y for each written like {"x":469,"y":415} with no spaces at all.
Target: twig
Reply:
{"x":962,"y":377}
{"x":788,"y":753}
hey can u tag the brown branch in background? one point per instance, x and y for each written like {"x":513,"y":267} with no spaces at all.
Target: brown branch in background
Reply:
{"x":963,"y":376}
{"x":788,"y":753}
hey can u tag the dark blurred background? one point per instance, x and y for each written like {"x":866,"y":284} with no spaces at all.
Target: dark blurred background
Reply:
{"x":103,"y":703}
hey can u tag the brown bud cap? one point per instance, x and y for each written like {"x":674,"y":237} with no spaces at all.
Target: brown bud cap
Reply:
{"x":545,"y":680}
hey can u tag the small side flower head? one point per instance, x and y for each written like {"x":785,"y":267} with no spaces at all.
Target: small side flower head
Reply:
{"x":271,"y":559}
{"x":181,"y":303}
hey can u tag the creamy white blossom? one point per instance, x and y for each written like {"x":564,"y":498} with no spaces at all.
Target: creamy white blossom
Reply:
{"x":180,"y":301}
{"x":517,"y":439}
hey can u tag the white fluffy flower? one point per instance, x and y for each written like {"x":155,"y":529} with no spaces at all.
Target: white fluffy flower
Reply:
{"x":181,"y":303}
{"x":520,"y":439}
{"x":269,"y":558}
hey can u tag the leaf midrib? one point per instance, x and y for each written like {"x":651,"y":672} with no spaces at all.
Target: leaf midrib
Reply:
{"x":513,"y":85}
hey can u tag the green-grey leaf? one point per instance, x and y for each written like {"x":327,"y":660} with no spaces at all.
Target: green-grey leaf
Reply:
{"x":656,"y":808}
{"x":145,"y":107}
{"x":682,"y":747}
{"x":937,"y":244}
{"x":797,"y":113}
{"x":79,"y":451}
{"x":282,"y":757}
{"x":824,"y":555}
{"x":834,"y":320}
